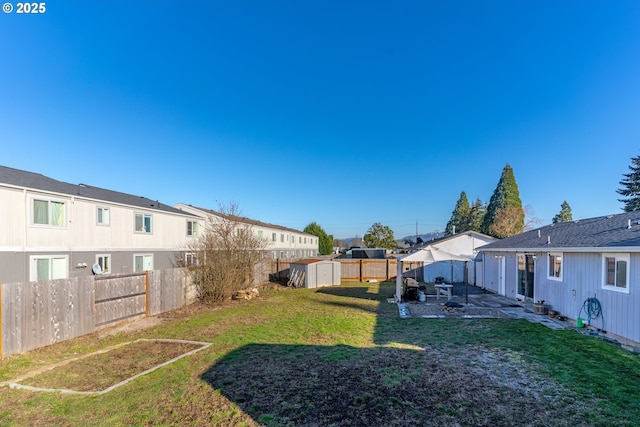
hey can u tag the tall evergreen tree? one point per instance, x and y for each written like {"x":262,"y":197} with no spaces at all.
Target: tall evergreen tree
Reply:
{"x":460,"y":216}
{"x":476,"y":215}
{"x":631,"y":187}
{"x":325,"y":241}
{"x":564,"y":215}
{"x":505,"y":216}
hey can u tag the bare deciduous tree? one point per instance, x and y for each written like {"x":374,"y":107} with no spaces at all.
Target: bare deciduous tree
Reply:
{"x":225,"y":255}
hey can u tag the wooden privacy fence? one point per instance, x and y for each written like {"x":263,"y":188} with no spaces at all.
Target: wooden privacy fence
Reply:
{"x":368,"y":269}
{"x":359,"y":270}
{"x":36,"y":314}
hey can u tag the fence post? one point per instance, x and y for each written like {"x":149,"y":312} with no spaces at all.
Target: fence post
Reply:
{"x":146,"y":293}
{"x":0,"y":320}
{"x":361,"y":270}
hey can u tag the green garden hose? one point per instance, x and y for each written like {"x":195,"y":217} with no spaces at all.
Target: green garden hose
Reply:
{"x":593,"y":310}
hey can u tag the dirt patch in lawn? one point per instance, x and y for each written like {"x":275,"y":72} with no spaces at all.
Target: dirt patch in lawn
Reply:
{"x":102,"y":370}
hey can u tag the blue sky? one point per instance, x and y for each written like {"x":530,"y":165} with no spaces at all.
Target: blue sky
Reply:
{"x":341,"y":112}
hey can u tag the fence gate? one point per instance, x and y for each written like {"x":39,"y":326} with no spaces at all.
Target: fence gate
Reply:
{"x":119,"y":297}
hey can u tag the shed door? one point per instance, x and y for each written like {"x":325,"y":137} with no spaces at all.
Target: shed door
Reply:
{"x":324,"y":274}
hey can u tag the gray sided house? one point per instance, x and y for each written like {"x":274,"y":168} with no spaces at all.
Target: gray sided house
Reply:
{"x":567,"y":263}
{"x":55,"y":230}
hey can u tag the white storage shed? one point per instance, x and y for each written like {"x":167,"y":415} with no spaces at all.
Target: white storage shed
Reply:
{"x":317,"y":272}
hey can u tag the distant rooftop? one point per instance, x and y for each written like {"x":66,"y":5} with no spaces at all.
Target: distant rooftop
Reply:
{"x":249,"y":221}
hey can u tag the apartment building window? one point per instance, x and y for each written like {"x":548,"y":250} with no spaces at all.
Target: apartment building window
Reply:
{"x":305,"y":240}
{"x":104,"y":261}
{"x":192,"y":228}
{"x":190,"y":259}
{"x":104,"y":216}
{"x":143,"y":223}
{"x":260,"y":235}
{"x":299,"y":239}
{"x":282,"y":238}
{"x":49,"y":212}
{"x":142,"y":262}
{"x":616,"y":272}
{"x":48,"y":267}
{"x":273,"y":237}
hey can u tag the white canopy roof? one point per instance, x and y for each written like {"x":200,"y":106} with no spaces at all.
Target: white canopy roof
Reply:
{"x":431,"y":254}
{"x":428,"y":255}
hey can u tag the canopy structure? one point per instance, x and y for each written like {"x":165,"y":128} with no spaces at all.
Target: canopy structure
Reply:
{"x":428,"y":255}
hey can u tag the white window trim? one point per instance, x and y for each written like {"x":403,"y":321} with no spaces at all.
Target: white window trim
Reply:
{"x":142,"y":255}
{"x":194,"y":257}
{"x":194,"y":230}
{"x":105,"y":256}
{"x":33,"y":270}
{"x":561,"y":255}
{"x":103,"y":224}
{"x":48,"y":200}
{"x":135,"y":214}
{"x":618,"y":257}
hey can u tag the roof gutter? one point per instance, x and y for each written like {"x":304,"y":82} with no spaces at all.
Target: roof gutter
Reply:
{"x":615,"y":249}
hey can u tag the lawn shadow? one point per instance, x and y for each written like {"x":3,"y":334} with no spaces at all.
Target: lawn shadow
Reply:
{"x":362,"y":292}
{"x":293,"y":385}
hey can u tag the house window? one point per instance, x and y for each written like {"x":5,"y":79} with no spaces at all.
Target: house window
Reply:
{"x":142,"y":263}
{"x":143,"y":223}
{"x":48,"y":267}
{"x":282,"y":238}
{"x":104,"y":217}
{"x":260,"y":235}
{"x":104,"y":261}
{"x":299,"y":239}
{"x":49,"y":212}
{"x":192,"y":228}
{"x":274,"y":254}
{"x":305,"y":240}
{"x":190,"y":259}
{"x":273,"y":237}
{"x":555,"y":266}
{"x":616,"y":272}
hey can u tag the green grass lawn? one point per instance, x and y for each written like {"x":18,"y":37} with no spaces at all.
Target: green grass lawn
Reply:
{"x":341,"y":356}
